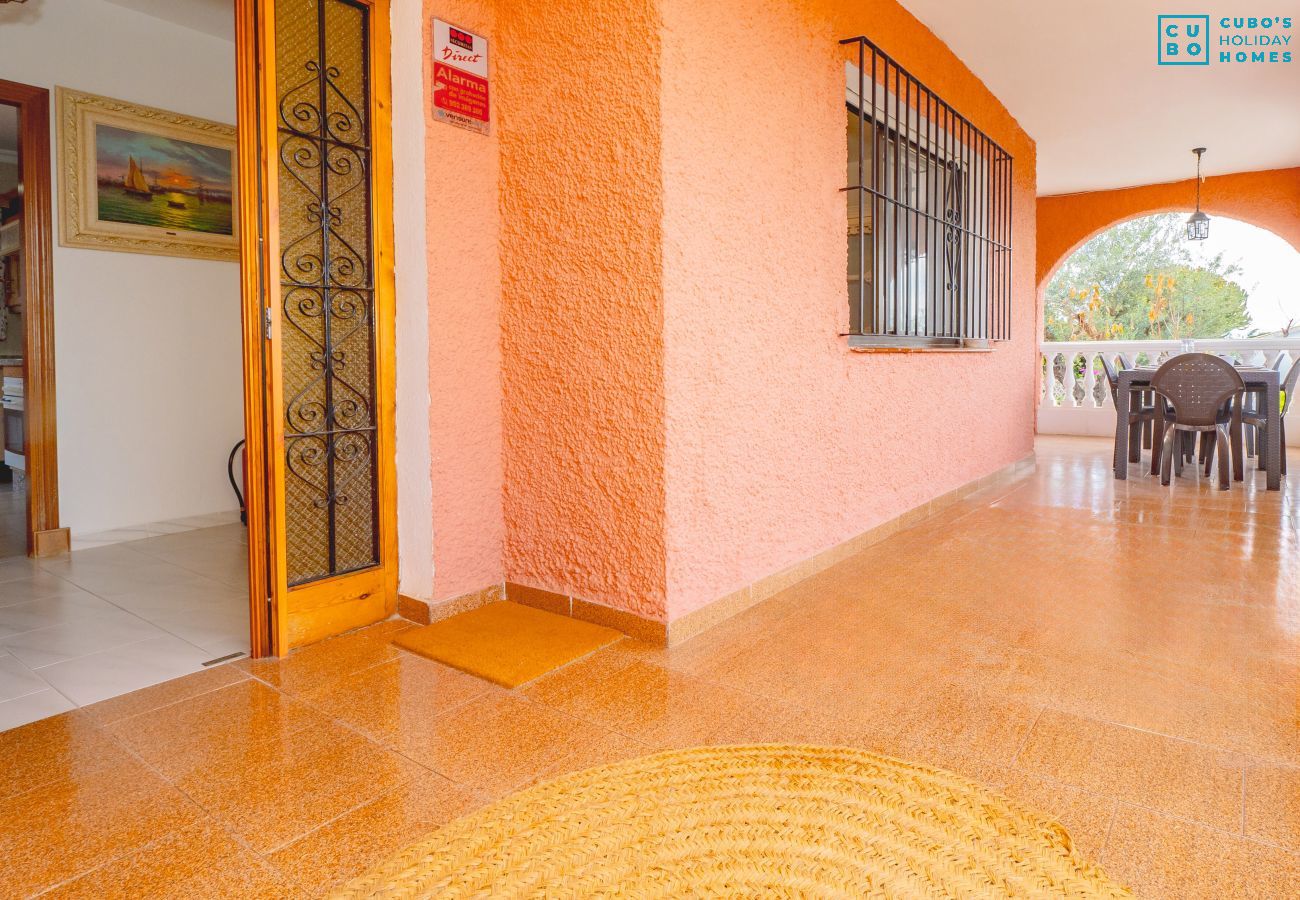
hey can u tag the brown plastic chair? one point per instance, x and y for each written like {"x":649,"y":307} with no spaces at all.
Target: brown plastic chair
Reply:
{"x":1140,"y":414}
{"x":1204,"y":392}
{"x":1258,"y":417}
{"x":1252,"y":402}
{"x":1126,"y":361}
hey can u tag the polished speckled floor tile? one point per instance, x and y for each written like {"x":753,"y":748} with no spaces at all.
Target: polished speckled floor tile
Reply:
{"x":396,"y":702}
{"x":499,"y":742}
{"x":1162,"y":857}
{"x":1273,"y":804}
{"x":60,"y":747}
{"x":279,"y":790}
{"x":313,"y":669}
{"x":196,"y":732}
{"x":1019,"y":639}
{"x":69,"y":826}
{"x":350,"y":844}
{"x":1193,"y":781}
{"x":117,"y":708}
{"x":197,"y":862}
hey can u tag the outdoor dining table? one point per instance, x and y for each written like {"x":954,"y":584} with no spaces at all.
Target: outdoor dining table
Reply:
{"x":1258,"y":378}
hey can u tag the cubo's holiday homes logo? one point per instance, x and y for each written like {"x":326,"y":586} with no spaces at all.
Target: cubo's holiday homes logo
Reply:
{"x":1183,"y":40}
{"x":1186,"y":40}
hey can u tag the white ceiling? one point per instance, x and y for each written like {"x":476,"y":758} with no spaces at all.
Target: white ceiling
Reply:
{"x":214,"y":17}
{"x":1081,"y":77}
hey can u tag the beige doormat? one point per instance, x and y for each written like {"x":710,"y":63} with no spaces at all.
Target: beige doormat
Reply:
{"x":753,"y":821}
{"x":506,"y":643}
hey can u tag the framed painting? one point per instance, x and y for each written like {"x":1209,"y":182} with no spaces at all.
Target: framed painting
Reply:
{"x":145,"y":180}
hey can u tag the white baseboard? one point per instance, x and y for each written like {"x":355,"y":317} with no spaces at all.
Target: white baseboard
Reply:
{"x":153,"y":529}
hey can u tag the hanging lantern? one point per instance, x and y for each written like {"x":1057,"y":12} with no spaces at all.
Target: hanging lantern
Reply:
{"x":1198,"y":224}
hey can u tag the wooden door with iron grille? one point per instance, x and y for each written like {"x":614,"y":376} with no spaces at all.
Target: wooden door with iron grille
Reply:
{"x":318,"y":285}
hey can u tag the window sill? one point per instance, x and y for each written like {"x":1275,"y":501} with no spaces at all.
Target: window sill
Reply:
{"x":859,"y":343}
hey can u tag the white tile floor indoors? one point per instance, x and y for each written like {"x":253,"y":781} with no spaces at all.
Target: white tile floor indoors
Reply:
{"x":117,"y":615}
{"x":13,"y":519}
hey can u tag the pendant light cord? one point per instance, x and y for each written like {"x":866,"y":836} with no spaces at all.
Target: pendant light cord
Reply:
{"x":1198,"y":181}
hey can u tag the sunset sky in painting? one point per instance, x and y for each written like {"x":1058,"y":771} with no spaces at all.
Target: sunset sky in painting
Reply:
{"x":167,"y":162}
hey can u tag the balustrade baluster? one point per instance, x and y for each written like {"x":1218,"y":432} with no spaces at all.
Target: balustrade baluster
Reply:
{"x":1069,"y":380}
{"x":1070,"y":397}
{"x":1090,"y":380}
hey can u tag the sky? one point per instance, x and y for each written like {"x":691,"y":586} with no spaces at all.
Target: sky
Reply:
{"x":1270,"y":270}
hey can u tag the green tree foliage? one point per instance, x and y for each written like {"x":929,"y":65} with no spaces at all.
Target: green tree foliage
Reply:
{"x":1139,"y":281}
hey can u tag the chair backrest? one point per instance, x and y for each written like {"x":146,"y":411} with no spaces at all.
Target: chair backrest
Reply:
{"x":1289,"y":385}
{"x":1125,"y":361}
{"x":1112,"y":378}
{"x":1197,"y":385}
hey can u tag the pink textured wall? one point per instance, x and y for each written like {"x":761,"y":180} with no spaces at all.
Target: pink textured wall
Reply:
{"x":465,"y":423}
{"x":582,"y":316}
{"x":780,"y":442}
{"x":640,"y":395}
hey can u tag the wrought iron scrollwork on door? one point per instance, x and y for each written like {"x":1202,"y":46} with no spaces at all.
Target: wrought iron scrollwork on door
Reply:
{"x":326,"y":288}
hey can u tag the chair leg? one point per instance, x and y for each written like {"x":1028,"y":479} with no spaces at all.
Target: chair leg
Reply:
{"x":1167,"y":455}
{"x":1221,"y":440}
{"x":1281,"y":433}
{"x":1146,"y":434}
{"x":1135,"y":442}
{"x":1209,"y":443}
{"x":1235,"y":439}
{"x":1181,"y":457}
{"x":1157,"y":440}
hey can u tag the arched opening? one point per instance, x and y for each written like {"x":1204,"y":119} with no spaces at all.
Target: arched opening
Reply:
{"x":1142,"y":280}
{"x":1139,"y":291}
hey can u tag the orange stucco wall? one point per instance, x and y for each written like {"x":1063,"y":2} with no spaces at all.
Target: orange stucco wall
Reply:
{"x":465,"y":422}
{"x":582,"y":299}
{"x":780,"y":442}
{"x":678,"y":414}
{"x":1269,"y":199}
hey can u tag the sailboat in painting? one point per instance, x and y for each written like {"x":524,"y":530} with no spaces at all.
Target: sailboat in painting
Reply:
{"x":133,"y":181}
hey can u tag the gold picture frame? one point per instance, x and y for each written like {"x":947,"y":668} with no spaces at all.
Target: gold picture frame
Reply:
{"x":145,"y":180}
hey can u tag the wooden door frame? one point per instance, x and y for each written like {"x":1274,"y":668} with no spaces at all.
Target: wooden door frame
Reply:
{"x":263,"y":629}
{"x":44,"y":535}
{"x":259,"y":215}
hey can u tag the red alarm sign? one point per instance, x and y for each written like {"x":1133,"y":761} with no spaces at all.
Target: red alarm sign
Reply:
{"x":460,"y":77}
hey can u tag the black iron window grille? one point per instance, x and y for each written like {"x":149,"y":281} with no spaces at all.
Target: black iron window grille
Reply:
{"x":929,"y":215}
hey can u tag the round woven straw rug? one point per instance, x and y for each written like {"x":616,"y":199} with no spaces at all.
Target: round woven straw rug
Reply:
{"x":746,"y":822}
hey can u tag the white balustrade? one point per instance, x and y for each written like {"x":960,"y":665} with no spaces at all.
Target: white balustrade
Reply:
{"x":1074,"y":396}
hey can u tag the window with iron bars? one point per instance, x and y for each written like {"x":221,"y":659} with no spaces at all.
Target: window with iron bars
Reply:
{"x":929,"y":215}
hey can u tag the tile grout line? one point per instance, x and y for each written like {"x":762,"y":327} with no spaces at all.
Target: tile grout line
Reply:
{"x":1110,"y":826}
{"x":1015,"y":757}
{"x":1244,"y":770}
{"x":130,"y":752}
{"x":134,"y":614}
{"x":169,"y":704}
{"x":1247,"y":756}
{"x":383,"y":745}
{"x":210,"y":816}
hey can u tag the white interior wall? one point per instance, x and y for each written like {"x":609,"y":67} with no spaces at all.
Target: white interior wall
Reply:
{"x":147,"y":347}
